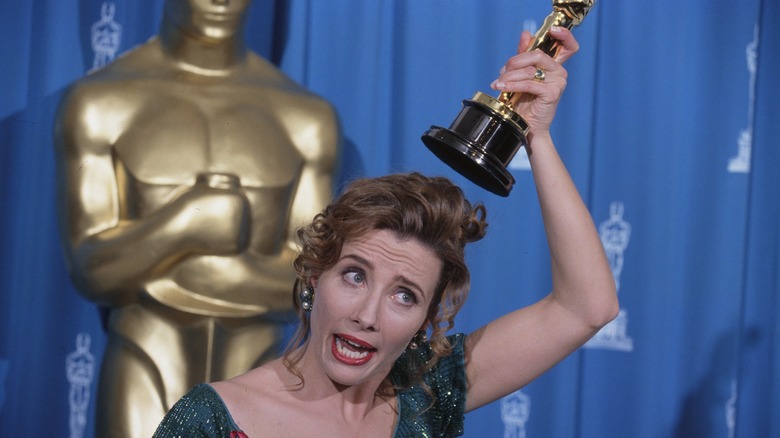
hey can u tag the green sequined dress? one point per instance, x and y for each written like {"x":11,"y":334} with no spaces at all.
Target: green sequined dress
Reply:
{"x":202,"y":413}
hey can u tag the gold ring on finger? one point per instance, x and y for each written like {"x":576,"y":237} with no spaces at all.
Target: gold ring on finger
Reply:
{"x":539,"y":75}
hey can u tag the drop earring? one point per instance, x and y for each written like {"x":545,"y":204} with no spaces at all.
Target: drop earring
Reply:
{"x":307,"y":298}
{"x":418,"y":339}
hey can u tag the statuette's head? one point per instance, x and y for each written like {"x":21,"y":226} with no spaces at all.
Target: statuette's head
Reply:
{"x":216,"y":19}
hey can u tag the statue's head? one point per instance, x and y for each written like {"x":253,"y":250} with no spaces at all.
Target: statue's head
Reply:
{"x":211,"y":19}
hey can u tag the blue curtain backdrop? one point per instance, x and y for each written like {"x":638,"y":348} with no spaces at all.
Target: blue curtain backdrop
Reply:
{"x":670,"y":127}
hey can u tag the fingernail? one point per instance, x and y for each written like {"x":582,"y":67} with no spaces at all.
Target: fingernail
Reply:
{"x":502,"y":71}
{"x":555,"y":29}
{"x":498,"y":85}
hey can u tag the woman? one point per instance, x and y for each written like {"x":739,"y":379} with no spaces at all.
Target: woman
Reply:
{"x":382,"y":266}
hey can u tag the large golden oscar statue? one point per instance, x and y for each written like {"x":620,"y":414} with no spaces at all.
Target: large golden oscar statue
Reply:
{"x":183,"y":169}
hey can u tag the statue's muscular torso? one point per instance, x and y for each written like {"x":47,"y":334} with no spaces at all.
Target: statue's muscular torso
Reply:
{"x":175,"y":124}
{"x":138,"y":133}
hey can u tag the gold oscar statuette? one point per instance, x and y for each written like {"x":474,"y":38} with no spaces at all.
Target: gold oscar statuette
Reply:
{"x":184,"y":168}
{"x":487,"y":133}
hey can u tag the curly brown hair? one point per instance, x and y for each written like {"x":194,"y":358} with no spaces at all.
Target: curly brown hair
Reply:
{"x":432,"y":210}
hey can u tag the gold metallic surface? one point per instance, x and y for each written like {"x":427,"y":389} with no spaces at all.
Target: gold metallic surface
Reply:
{"x":566,"y":13}
{"x":184,"y":168}
{"x":502,"y":109}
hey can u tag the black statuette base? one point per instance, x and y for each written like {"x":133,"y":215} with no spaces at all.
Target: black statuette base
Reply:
{"x":479,"y":145}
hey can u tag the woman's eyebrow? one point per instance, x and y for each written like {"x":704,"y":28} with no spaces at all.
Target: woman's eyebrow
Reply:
{"x":411,"y":284}
{"x":359,"y":259}
{"x":400,"y":278}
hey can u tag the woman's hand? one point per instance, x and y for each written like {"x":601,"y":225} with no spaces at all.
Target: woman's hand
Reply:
{"x":537,"y":100}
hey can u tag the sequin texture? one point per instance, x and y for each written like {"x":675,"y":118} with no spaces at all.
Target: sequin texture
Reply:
{"x":200,"y":413}
{"x":447,"y":381}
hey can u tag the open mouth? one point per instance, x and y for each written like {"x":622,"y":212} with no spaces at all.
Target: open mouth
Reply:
{"x":351,"y":351}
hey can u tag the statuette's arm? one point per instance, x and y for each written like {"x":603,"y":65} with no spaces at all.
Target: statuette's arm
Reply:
{"x":108,"y":251}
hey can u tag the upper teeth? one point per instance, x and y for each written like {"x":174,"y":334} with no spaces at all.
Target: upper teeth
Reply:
{"x":353,"y":343}
{"x":350,"y":353}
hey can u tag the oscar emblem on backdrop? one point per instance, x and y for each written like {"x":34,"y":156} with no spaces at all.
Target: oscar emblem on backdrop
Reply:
{"x":487,"y":133}
{"x":515,"y":412}
{"x":106,"y":36}
{"x":184,"y":168}
{"x":615,"y":235}
{"x":80,"y":371}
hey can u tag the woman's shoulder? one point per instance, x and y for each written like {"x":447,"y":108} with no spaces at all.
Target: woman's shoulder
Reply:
{"x":200,"y":412}
{"x":260,"y":382}
{"x":437,"y":407}
{"x":262,"y":386}
{"x":450,"y":371}
{"x":202,"y":398}
{"x":418,"y":359}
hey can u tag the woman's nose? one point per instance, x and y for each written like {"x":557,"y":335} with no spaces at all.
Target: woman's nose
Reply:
{"x":367,"y":312}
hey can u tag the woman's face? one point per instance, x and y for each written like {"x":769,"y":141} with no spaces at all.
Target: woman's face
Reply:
{"x":369,"y":305}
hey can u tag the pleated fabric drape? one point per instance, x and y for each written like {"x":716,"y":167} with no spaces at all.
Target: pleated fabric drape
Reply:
{"x":669,"y":126}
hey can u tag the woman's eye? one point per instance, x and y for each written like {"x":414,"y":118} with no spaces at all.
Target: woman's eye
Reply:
{"x":355,"y":276}
{"x":406,"y":297}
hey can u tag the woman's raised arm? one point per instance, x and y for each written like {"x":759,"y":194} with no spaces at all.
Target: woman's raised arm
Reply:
{"x":511,"y":351}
